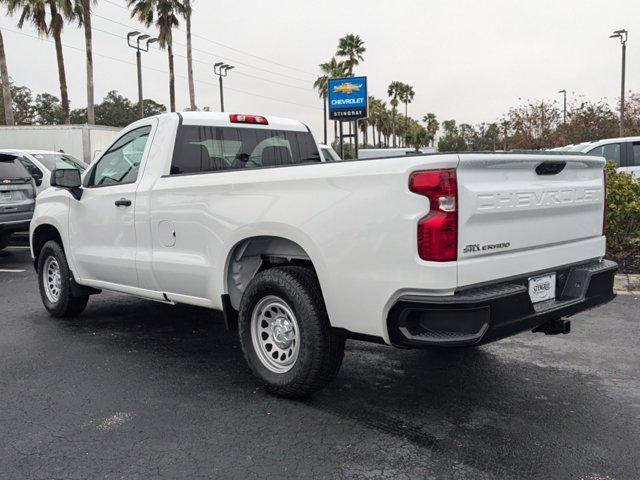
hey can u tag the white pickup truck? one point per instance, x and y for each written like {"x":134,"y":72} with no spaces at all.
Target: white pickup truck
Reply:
{"x":237,"y":213}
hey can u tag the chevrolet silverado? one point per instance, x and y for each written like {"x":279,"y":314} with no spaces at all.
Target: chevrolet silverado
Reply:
{"x":237,"y":213}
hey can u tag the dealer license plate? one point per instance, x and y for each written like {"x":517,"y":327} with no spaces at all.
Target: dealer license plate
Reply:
{"x":542,"y":288}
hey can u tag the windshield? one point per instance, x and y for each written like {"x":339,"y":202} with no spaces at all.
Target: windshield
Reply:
{"x":52,"y":161}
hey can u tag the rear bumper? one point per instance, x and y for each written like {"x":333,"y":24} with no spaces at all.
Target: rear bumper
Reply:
{"x":17,"y":222}
{"x":482,"y":315}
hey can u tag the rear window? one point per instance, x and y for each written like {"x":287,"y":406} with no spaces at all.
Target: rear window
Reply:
{"x":208,"y":149}
{"x":10,"y":167}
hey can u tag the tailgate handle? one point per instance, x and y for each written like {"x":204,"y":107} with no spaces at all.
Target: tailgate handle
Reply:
{"x":550,"y":168}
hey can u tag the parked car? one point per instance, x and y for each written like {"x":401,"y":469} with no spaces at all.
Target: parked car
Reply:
{"x":17,"y":197}
{"x":238,"y":213}
{"x":624,"y":152}
{"x":370,"y":153}
{"x":40,"y":164}
{"x":328,"y":153}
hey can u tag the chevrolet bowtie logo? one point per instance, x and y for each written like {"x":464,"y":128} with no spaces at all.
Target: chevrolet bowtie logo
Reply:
{"x":347,"y":88}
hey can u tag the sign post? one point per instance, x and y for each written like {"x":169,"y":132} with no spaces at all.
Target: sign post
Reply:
{"x":348,"y":102}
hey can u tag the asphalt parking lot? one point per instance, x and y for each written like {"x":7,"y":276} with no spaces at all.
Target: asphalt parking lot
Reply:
{"x":136,"y":389}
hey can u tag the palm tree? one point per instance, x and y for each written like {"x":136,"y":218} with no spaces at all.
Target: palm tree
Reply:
{"x":6,"y":86}
{"x":164,"y":13}
{"x":363,"y":125}
{"x":352,"y":48}
{"x":85,"y":20}
{"x":376,"y":109}
{"x":432,"y":126}
{"x":394,"y":91}
{"x":35,"y":11}
{"x":192,"y":89}
{"x":332,"y":68}
{"x":406,"y":96}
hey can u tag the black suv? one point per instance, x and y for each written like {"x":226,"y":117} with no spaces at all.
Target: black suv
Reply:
{"x":17,"y":198}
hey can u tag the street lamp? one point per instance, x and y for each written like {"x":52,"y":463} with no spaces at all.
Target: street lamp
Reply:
{"x":622,"y":35}
{"x":134,"y":40}
{"x":221,"y":69}
{"x":564,"y":117}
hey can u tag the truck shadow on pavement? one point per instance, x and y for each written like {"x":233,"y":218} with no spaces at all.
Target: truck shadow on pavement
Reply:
{"x":488,"y":408}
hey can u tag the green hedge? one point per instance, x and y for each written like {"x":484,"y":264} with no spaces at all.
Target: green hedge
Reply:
{"x":623,"y":222}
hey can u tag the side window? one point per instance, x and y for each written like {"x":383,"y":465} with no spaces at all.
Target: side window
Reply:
{"x":635,"y":161}
{"x":611,"y":152}
{"x":31,"y":167}
{"x":121,"y":163}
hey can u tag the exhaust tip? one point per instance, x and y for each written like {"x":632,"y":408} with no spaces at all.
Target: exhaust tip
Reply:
{"x":556,"y":326}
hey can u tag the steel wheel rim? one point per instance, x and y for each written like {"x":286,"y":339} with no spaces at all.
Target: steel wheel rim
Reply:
{"x":275,"y":334}
{"x":52,"y":279}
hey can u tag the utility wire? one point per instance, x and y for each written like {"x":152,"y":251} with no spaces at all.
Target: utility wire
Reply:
{"x":275,"y":82}
{"x":72,"y":47}
{"x":175,"y":42}
{"x":229,"y":47}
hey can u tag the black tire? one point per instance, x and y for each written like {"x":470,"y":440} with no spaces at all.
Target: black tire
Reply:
{"x":5,"y":239}
{"x":67,"y":305}
{"x":321,"y":348}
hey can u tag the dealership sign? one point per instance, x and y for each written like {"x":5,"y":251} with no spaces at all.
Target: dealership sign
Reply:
{"x":348,"y":98}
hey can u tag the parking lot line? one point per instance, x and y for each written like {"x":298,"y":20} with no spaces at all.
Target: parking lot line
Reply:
{"x":9,"y":270}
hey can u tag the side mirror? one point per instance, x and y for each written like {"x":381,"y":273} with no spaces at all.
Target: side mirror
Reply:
{"x":68,"y":178}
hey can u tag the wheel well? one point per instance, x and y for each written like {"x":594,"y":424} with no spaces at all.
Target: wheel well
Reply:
{"x":42,"y":235}
{"x":255,"y":254}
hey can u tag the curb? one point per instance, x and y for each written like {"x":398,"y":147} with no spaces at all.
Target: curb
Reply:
{"x":628,"y":284}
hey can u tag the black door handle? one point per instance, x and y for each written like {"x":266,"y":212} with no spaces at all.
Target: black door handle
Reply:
{"x":123,"y":202}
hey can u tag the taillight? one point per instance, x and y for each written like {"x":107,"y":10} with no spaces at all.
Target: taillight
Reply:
{"x":255,"y":119}
{"x":605,"y":213}
{"x":438,"y":230}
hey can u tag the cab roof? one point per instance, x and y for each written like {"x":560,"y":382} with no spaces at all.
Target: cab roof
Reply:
{"x":223,"y":119}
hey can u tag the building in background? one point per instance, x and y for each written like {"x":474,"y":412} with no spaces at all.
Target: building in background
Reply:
{"x":83,"y":142}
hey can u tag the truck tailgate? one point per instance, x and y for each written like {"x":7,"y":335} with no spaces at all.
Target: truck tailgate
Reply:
{"x":523,"y":213}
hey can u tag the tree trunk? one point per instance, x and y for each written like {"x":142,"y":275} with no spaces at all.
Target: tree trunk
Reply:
{"x":172,"y":78}
{"x":56,"y":26}
{"x":393,"y":126}
{"x":88,"y":41}
{"x":6,"y":86}
{"x":192,"y":89}
{"x":324,"y":118}
{"x":406,"y":118}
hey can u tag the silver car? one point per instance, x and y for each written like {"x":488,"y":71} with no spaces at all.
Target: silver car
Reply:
{"x":17,"y":197}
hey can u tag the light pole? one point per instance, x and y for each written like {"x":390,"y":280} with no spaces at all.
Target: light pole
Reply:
{"x":221,"y":69}
{"x":133,"y":40}
{"x":564,"y":106}
{"x":622,"y":35}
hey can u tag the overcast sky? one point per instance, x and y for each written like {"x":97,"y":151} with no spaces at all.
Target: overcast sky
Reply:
{"x":468,"y":60}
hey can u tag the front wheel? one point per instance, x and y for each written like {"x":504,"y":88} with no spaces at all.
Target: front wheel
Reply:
{"x":285,"y":332}
{"x":54,"y":280}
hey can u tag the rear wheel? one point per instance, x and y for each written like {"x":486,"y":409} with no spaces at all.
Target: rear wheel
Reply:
{"x":54,"y":280}
{"x":285,"y":332}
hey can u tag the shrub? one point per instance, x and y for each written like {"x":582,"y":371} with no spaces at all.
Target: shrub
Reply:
{"x":623,"y":222}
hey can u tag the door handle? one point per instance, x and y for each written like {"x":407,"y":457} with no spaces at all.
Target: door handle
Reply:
{"x":123,"y":202}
